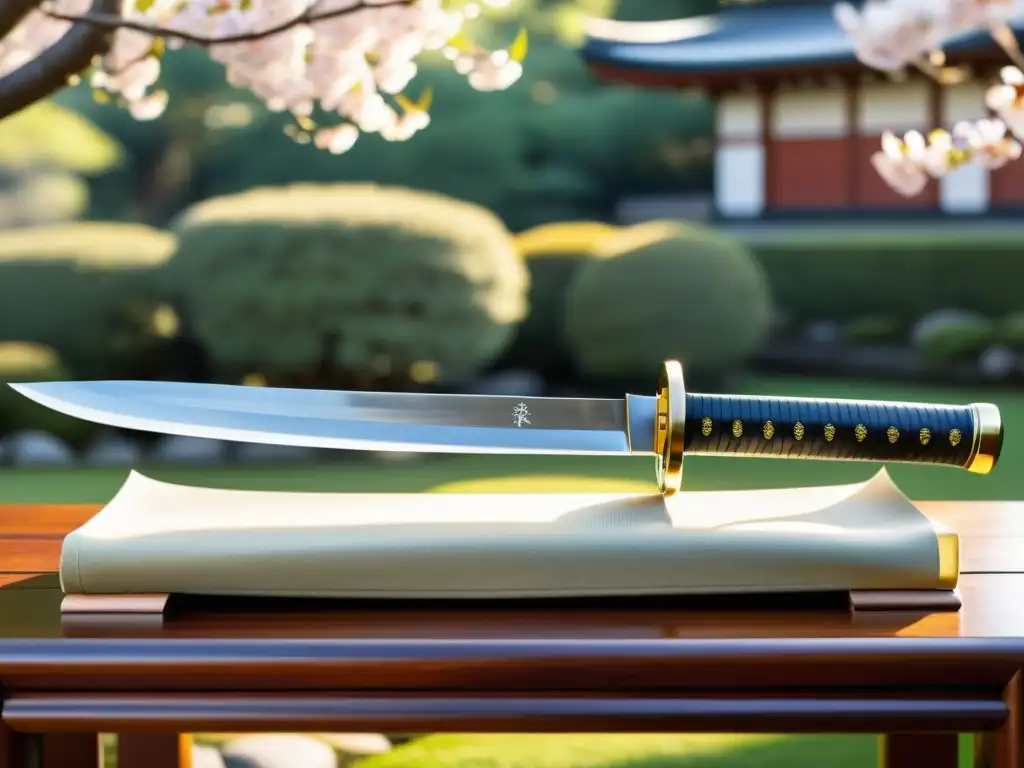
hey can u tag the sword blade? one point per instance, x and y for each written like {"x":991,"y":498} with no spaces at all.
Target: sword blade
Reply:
{"x":379,"y":421}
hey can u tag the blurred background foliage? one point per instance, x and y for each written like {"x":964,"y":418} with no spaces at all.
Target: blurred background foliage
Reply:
{"x":558,"y":146}
{"x":486,"y":255}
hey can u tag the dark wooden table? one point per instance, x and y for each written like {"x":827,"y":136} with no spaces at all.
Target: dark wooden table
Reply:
{"x":565,"y":666}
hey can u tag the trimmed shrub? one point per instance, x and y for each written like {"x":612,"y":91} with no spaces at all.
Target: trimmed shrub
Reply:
{"x":874,"y":329}
{"x":952,"y":336}
{"x":905,"y":277}
{"x":552,"y":254}
{"x":22,"y":362}
{"x":696,"y":296}
{"x":86,"y":290}
{"x":1011,"y":330}
{"x":347,"y":285}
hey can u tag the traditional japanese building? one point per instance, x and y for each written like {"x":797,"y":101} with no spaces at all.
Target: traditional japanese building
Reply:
{"x":798,"y":117}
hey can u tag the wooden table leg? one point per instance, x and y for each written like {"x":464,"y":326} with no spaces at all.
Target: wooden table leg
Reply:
{"x":16,"y":748}
{"x":154,"y":750}
{"x":71,"y":750}
{"x":913,"y":750}
{"x":1004,"y":748}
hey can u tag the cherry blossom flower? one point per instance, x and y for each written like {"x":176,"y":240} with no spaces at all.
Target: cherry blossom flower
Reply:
{"x":351,"y":58}
{"x":988,"y":143}
{"x":946,"y":151}
{"x":900,"y":163}
{"x":1007,"y":100}
{"x":889,"y":34}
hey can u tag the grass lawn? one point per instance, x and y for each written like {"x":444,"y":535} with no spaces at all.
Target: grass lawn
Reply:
{"x":464,"y":473}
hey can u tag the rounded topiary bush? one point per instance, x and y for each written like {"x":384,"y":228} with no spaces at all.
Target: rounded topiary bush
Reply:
{"x":86,"y":290}
{"x":24,"y":362}
{"x":950,"y":336}
{"x":1011,"y":330}
{"x":552,"y":254}
{"x":347,"y":285}
{"x":691,"y":295}
{"x":874,"y":329}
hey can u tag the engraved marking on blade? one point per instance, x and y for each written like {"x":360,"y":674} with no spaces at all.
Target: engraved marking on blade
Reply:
{"x":768,"y":430}
{"x":830,"y":432}
{"x":737,"y":428}
{"x":926,"y":435}
{"x":798,"y":431}
{"x":521,"y":415}
{"x":954,"y":437}
{"x":705,"y":426}
{"x":860,"y":432}
{"x":893,"y":434}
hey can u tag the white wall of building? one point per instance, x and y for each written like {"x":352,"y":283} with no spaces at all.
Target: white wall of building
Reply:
{"x":897,"y":107}
{"x":739,"y":156}
{"x":810,"y":113}
{"x":966,"y":190}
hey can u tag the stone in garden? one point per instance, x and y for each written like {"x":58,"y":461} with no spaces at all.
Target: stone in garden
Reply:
{"x":278,"y":750}
{"x":188,"y":450}
{"x":206,"y":757}
{"x":939,"y":319}
{"x":262,"y":452}
{"x":358,"y":744}
{"x":997,"y":362}
{"x":112,"y":450}
{"x":33,"y":448}
{"x":511,"y":382}
{"x":822,"y":332}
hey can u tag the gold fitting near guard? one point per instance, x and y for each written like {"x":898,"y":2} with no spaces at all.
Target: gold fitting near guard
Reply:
{"x":668,"y":430}
{"x":988,"y":438}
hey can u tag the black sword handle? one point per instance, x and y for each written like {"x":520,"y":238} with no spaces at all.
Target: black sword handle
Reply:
{"x":968,"y":436}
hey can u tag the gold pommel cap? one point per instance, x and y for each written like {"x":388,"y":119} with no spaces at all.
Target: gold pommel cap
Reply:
{"x":988,"y":438}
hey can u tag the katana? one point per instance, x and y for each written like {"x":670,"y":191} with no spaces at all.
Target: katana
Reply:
{"x":669,"y":424}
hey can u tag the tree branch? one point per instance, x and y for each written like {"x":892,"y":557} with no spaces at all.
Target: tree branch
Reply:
{"x":112,"y":21}
{"x":50,"y":70}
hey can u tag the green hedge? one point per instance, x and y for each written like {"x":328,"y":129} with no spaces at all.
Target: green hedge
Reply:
{"x":88,"y":291}
{"x":22,"y":362}
{"x":349,"y":285}
{"x":899,"y":277}
{"x":552,"y":254}
{"x":691,"y":294}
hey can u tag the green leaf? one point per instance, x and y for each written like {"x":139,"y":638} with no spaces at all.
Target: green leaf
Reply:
{"x":462,"y":43}
{"x":517,"y":51}
{"x":426,"y":99}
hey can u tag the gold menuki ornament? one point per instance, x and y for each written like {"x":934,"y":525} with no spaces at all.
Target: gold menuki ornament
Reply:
{"x":737,"y":428}
{"x":860,"y":432}
{"x":830,"y":432}
{"x":798,"y":431}
{"x":768,"y":430}
{"x":705,"y":426}
{"x":954,"y":437}
{"x":893,"y":434}
{"x":926,"y":435}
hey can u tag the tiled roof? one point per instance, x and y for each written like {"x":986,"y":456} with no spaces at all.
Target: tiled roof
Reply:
{"x":735,"y":40}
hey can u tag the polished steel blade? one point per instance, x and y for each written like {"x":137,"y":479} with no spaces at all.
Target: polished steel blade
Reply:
{"x":377,"y":421}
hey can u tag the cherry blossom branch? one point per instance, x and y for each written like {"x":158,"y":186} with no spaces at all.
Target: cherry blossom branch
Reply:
{"x":113,"y":21}
{"x":50,"y":71}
